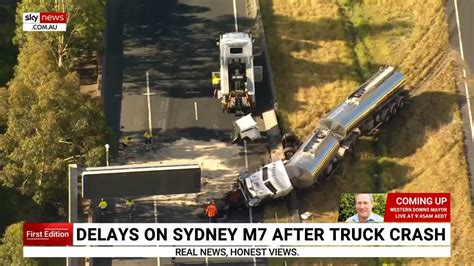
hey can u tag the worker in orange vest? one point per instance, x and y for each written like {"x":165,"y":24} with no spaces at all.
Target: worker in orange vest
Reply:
{"x":211,"y":212}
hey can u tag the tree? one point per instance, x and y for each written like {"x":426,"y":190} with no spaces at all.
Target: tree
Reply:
{"x":11,"y":251}
{"x":3,"y":110}
{"x":85,"y":27}
{"x":346,"y":207}
{"x":50,"y":124}
{"x":380,"y":200}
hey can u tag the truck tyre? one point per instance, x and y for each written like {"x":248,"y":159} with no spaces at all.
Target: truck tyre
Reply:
{"x":288,"y":140}
{"x":329,"y":169}
{"x":378,"y":118}
{"x":401,"y":103}
{"x":393,"y":108}
{"x":289,"y":152}
{"x":387,"y":116}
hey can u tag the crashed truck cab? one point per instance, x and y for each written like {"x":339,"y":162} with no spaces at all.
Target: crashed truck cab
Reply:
{"x":237,"y":84}
{"x":270,"y":182}
{"x":245,"y":128}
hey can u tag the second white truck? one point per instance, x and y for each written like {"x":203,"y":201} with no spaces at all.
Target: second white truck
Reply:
{"x":236,"y":90}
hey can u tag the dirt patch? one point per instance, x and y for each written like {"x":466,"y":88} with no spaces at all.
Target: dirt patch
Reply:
{"x":220,"y":166}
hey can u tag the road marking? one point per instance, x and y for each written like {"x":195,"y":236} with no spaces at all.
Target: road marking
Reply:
{"x":155,"y":209}
{"x":245,"y":153}
{"x":149,"y":105}
{"x":235,"y":17}
{"x":464,"y":69}
{"x":251,"y":221}
{"x":250,"y":208}
{"x":163,"y":108}
{"x":196,"y":110}
{"x":156,"y":221}
{"x":250,"y":215}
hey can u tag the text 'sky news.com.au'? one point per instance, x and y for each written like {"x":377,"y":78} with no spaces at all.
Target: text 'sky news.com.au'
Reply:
{"x":409,"y":225}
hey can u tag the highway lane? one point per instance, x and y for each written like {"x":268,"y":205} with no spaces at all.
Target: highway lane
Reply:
{"x":461,"y":23}
{"x":174,"y":42}
{"x":147,"y":210}
{"x":466,"y":20}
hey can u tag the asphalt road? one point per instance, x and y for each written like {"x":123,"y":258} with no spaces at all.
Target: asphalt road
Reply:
{"x":173,"y":43}
{"x":461,"y":23}
{"x":148,"y":211}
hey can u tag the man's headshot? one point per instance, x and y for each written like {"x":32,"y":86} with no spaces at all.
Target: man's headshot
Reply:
{"x":364,"y":204}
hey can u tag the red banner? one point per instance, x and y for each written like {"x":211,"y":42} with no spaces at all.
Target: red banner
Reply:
{"x":418,"y":207}
{"x":53,"y":17}
{"x":47,"y":234}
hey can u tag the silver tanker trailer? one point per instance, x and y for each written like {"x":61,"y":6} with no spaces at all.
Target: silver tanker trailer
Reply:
{"x":363,"y":112}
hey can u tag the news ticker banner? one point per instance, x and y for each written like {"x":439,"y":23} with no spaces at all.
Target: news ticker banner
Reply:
{"x":418,"y":207}
{"x":237,"y":240}
{"x":45,"y":21}
{"x":417,"y":225}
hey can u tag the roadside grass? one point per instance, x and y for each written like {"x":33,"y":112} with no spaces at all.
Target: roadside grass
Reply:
{"x":432,"y":147}
{"x":312,"y":64}
{"x":421,"y":149}
{"x":276,"y":212}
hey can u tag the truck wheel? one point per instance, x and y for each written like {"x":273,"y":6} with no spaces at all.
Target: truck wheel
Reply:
{"x":393,"y":108}
{"x":288,"y":140}
{"x":289,"y":152}
{"x":328,"y":169}
{"x":401,"y":103}
{"x":378,"y":118}
{"x":387,"y":117}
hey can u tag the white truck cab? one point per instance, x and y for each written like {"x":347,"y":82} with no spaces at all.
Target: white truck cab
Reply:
{"x":237,"y":83}
{"x":270,"y":182}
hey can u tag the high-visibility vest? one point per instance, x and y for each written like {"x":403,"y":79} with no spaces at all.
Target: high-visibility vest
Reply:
{"x":103,"y":204}
{"x":216,"y":80}
{"x":147,"y":135}
{"x":125,"y":141}
{"x":211,"y":210}
{"x":129,"y":203}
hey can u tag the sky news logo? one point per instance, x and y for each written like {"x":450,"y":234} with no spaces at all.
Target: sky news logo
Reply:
{"x":45,"y":21}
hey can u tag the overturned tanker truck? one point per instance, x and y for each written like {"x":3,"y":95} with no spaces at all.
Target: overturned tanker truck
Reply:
{"x":315,"y":160}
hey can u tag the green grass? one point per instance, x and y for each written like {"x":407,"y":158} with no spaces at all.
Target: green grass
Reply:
{"x":421,"y":149}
